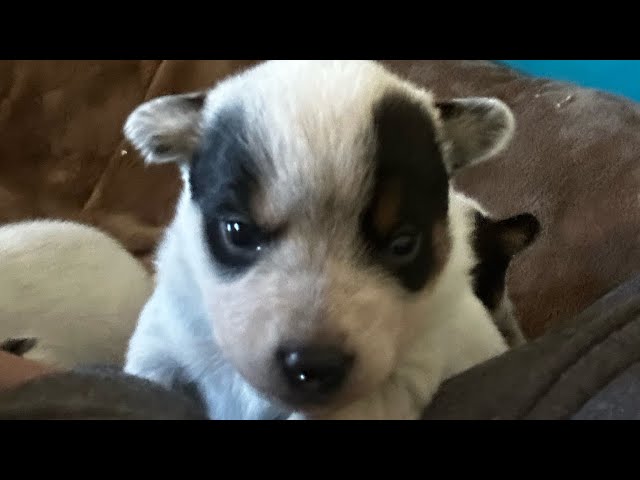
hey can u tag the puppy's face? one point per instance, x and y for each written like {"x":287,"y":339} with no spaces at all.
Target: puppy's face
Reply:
{"x":319,"y":193}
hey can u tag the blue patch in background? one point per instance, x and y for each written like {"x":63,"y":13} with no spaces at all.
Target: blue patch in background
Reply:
{"x":620,"y":77}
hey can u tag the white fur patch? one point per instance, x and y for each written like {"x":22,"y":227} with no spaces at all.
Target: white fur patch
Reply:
{"x":72,"y":288}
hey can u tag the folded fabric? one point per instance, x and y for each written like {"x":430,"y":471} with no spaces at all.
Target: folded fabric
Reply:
{"x":587,"y":368}
{"x":96,"y":394}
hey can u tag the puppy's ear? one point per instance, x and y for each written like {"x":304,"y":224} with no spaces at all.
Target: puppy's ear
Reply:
{"x":18,"y":346}
{"x":166,"y":129}
{"x":476,"y":128}
{"x":495,"y":243}
{"x":514,"y":234}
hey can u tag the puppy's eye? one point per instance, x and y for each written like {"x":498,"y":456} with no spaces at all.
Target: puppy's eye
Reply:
{"x":404,"y":247}
{"x":242,"y":236}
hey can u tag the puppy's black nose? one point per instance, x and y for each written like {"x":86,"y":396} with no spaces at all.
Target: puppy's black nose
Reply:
{"x":315,"y":371}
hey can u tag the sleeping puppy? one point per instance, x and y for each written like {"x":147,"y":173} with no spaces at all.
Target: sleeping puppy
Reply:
{"x":319,"y":264}
{"x":69,"y":293}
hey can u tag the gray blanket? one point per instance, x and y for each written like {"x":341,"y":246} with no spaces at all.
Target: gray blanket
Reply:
{"x":587,"y":368}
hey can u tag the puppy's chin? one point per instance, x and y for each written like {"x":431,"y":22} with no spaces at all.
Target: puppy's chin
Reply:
{"x":312,"y":407}
{"x":266,"y":378}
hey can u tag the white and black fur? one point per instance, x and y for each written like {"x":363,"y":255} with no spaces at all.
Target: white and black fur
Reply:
{"x":495,"y":242}
{"x":319,"y":264}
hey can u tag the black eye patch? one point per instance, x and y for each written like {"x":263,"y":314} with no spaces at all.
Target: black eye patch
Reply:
{"x":223,"y":179}
{"x":409,"y":203}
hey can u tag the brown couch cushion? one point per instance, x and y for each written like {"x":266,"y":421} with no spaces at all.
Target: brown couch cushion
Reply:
{"x":574,"y":164}
{"x":63,"y":155}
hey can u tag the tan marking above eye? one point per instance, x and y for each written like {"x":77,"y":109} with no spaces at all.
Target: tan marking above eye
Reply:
{"x":387,"y":208}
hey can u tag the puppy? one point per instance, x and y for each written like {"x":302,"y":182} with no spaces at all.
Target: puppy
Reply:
{"x":495,"y":243}
{"x":69,"y":294}
{"x":319,"y":264}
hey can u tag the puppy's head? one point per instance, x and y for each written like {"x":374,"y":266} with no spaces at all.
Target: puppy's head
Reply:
{"x":316,"y":211}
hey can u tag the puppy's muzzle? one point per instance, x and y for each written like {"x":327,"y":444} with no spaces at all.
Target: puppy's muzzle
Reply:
{"x":314,"y":372}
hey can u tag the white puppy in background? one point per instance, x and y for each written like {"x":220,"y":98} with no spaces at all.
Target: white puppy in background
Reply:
{"x":69,"y":294}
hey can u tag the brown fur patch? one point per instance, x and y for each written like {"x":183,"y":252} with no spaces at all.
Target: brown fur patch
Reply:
{"x":387,"y":208}
{"x":264,"y":212}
